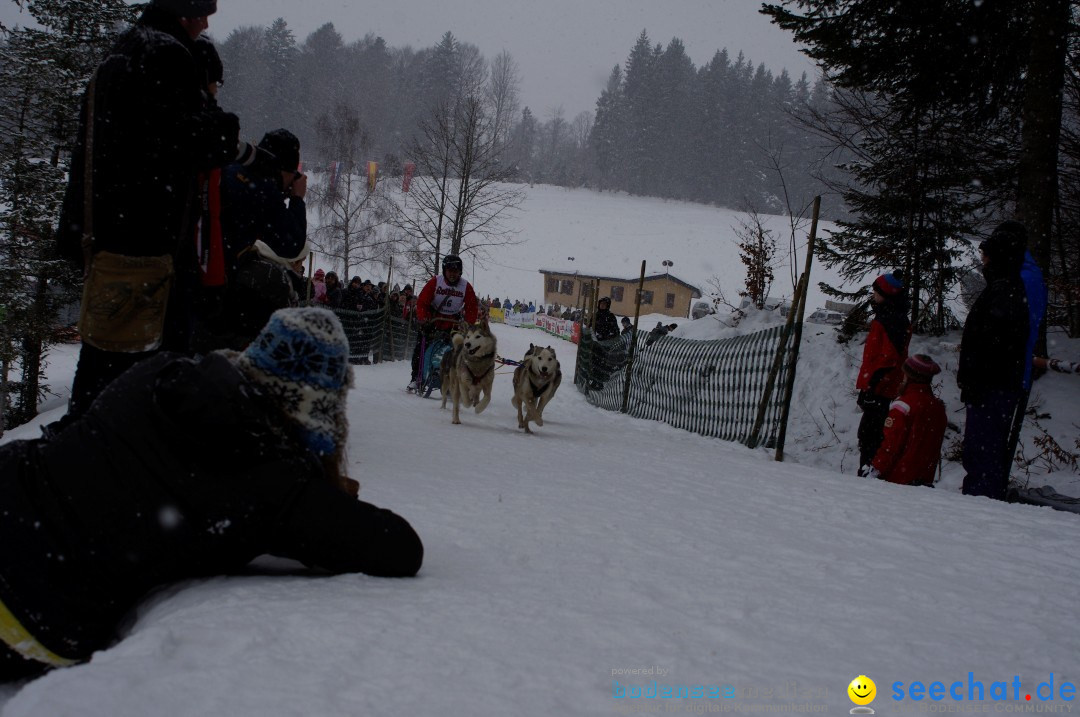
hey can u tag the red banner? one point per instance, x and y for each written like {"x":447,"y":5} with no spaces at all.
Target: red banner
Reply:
{"x":410,"y":168}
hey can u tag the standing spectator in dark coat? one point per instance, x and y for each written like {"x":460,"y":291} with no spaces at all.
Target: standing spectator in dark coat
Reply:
{"x":604,"y":359}
{"x":993,"y":361}
{"x":607,"y":326}
{"x":351,"y":299}
{"x":265,"y":201}
{"x":369,"y":300}
{"x":334,"y":294}
{"x":153,"y":127}
{"x":880,"y":373}
{"x":627,"y":326}
{"x":262,"y":203}
{"x":185,"y":468}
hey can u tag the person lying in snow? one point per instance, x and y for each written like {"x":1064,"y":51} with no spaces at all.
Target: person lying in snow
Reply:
{"x":185,"y":468}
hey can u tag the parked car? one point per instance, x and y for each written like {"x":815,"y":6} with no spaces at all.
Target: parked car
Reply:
{"x":771,"y":304}
{"x":701,"y":308}
{"x":824,"y":316}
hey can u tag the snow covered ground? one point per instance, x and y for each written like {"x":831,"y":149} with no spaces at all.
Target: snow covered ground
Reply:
{"x":603,"y":553}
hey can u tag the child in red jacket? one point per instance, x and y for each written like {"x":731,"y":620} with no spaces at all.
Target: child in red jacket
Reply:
{"x":885,"y":350}
{"x":914,"y":428}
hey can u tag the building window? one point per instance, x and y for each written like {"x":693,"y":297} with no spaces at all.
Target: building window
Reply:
{"x":616,"y":293}
{"x":669,"y":302}
{"x":567,"y":286}
{"x":646,"y":296}
{"x":552,"y":285}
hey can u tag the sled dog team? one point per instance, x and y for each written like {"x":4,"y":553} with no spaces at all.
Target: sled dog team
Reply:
{"x":468,"y":372}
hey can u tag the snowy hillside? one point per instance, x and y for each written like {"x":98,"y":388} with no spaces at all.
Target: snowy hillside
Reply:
{"x":602,"y":553}
{"x":609,"y":234}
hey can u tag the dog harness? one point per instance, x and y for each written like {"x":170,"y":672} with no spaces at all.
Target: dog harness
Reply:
{"x":476,"y":379}
{"x":541,"y":391}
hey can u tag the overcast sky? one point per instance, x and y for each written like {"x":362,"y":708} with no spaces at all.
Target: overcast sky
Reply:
{"x":565,"y":48}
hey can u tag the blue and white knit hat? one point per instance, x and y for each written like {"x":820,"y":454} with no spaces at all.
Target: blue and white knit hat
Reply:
{"x":301,"y":359}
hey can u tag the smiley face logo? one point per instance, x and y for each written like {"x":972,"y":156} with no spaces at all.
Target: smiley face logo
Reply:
{"x":862,"y":690}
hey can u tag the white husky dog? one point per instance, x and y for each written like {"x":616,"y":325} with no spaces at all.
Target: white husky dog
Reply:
{"x":469,"y":369}
{"x":535,"y":383}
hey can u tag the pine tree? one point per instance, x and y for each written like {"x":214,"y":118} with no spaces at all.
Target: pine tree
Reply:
{"x":981,"y":65}
{"x":278,"y":107}
{"x":42,"y":77}
{"x":606,"y":138}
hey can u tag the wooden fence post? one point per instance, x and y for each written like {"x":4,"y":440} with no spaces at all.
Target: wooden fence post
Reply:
{"x":789,"y":387}
{"x":633,"y":343}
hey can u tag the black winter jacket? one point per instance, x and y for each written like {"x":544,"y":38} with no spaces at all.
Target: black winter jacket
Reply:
{"x":253,"y":207}
{"x":176,"y":471}
{"x":994,"y":344}
{"x":607,"y":326}
{"x":154,"y":130}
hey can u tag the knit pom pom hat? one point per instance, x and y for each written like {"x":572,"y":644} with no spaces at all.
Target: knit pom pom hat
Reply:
{"x":921,"y":368}
{"x":888,"y":285}
{"x":300,"y":359}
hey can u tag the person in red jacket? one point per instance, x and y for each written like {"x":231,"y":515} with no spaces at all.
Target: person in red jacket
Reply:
{"x":445,"y":301}
{"x":885,"y":350}
{"x":914,"y":428}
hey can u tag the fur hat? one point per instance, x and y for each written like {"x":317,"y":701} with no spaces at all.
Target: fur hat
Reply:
{"x":300,"y":358}
{"x":921,"y":368}
{"x":319,"y":275}
{"x":888,"y":284}
{"x":285,"y":147}
{"x":187,"y":8}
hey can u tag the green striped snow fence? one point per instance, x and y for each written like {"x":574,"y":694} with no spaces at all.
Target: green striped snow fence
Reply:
{"x":378,"y":335}
{"x":710,"y":387}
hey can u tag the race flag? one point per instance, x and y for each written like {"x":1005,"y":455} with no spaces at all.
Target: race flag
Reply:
{"x":372,"y":169}
{"x":410,"y":168}
{"x":331,"y":183}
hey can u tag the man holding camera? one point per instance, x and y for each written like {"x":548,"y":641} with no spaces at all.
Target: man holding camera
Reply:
{"x":263,"y":222}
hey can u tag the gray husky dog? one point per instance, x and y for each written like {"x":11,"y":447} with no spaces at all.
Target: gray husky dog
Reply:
{"x":535,"y":382}
{"x":469,"y":369}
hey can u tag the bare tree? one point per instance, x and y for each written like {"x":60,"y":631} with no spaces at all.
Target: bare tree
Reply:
{"x":350,"y":214}
{"x":502,"y":95}
{"x":461,"y":191}
{"x":757,"y":250}
{"x":580,"y":129}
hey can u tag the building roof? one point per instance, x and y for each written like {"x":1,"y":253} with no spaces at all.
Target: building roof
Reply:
{"x":695,"y":292}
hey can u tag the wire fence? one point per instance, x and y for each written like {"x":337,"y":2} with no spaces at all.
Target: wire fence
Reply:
{"x":710,"y":387}
{"x":713,"y":388}
{"x":378,"y":335}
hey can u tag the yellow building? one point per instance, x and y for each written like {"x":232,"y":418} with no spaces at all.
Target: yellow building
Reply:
{"x":662,"y":293}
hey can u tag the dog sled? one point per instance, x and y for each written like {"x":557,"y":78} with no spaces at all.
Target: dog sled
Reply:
{"x":432,"y":353}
